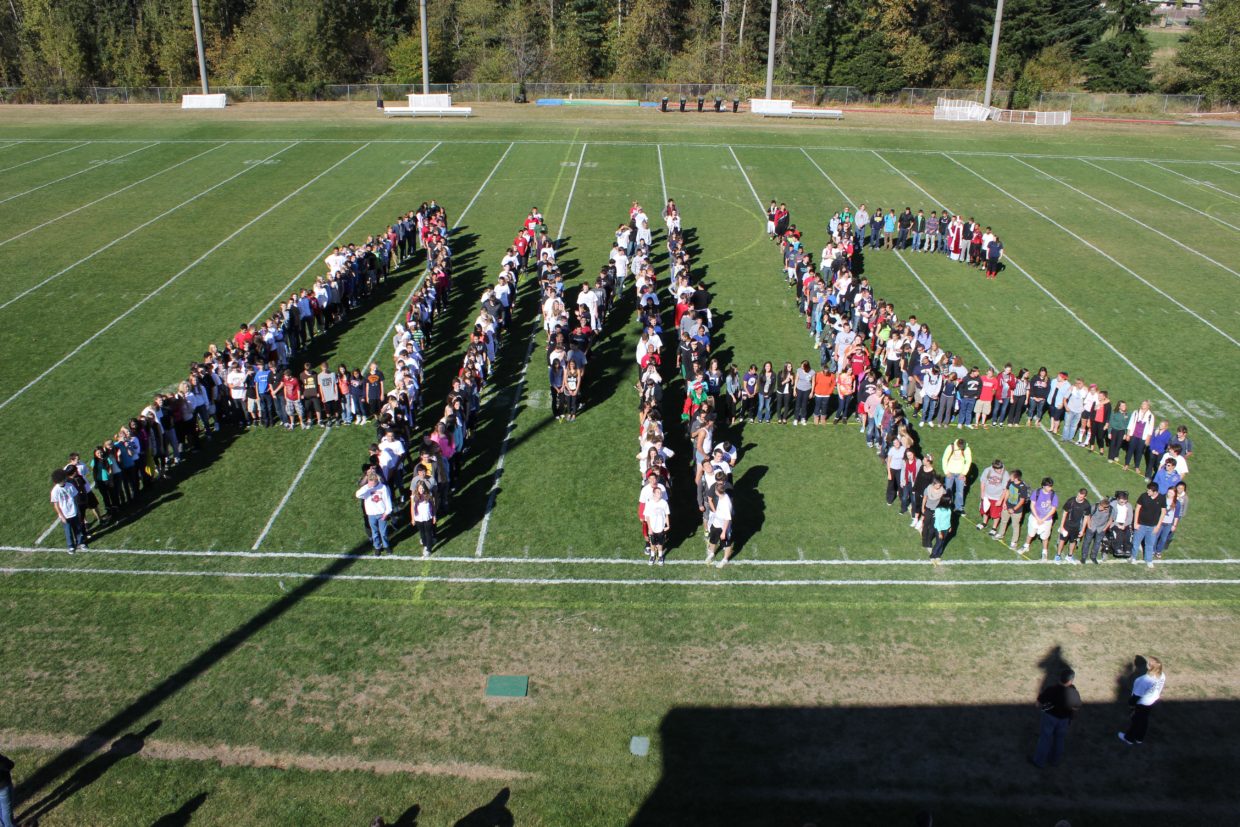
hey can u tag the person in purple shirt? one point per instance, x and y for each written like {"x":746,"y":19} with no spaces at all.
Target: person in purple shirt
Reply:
{"x":1043,"y":504}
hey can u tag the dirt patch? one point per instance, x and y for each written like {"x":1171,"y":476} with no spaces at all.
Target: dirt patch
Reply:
{"x":246,"y":756}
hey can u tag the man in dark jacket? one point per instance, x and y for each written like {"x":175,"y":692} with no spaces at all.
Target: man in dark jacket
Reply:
{"x":1059,"y":704}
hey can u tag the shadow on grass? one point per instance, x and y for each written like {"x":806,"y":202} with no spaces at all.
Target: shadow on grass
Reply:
{"x":70,"y":760}
{"x":964,"y":765}
{"x":182,"y":816}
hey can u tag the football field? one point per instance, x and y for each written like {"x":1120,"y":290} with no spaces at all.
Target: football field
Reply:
{"x":296,"y":679}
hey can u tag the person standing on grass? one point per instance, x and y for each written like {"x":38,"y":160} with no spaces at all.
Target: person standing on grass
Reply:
{"x":377,"y":501}
{"x":657,"y":516}
{"x":1156,"y":446}
{"x":65,"y":505}
{"x":1015,"y":504}
{"x":291,"y":388}
{"x":1059,"y":704}
{"x":1043,"y":504}
{"x":994,"y":482}
{"x":969,"y":390}
{"x":1150,"y":511}
{"x":986,"y":398}
{"x":1057,"y":395}
{"x":422,"y":515}
{"x":942,"y":531}
{"x":804,"y":383}
{"x":957,"y":460}
{"x":720,"y":531}
{"x":1140,"y":428}
{"x":925,"y":477}
{"x":1146,"y":691}
{"x":1101,"y":519}
{"x":1072,"y":525}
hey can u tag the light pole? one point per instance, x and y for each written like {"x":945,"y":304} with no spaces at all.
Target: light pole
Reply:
{"x":202,"y":60}
{"x":426,"y":73}
{"x":770,"y":50}
{"x":994,"y":52}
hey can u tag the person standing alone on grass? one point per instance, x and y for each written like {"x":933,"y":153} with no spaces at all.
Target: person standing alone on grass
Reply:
{"x":378,"y":504}
{"x":1146,"y":690}
{"x":65,"y":505}
{"x":1059,"y":704}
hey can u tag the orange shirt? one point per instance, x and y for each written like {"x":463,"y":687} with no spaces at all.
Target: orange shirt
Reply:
{"x":824,"y":384}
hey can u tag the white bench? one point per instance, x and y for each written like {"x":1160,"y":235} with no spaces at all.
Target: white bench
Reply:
{"x":434,"y":106}
{"x":772,"y":108}
{"x":218,"y":101}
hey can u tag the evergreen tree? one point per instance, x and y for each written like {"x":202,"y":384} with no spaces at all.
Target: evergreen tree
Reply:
{"x":1208,"y":62}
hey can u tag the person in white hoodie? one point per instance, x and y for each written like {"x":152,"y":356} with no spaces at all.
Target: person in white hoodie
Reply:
{"x":378,"y":504}
{"x":1146,"y":690}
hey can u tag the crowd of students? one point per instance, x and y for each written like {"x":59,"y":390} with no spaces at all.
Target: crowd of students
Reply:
{"x":258,"y":377}
{"x":422,"y":472}
{"x":893,"y":376}
{"x":707,"y":403}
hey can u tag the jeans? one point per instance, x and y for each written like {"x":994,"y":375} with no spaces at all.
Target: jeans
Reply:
{"x":6,"y":806}
{"x":822,"y":404}
{"x":947,"y":404}
{"x":1050,"y":740}
{"x":802,"y":405}
{"x":956,"y":482}
{"x":1037,"y":407}
{"x":917,"y":240}
{"x":1135,"y":452}
{"x":1092,"y":541}
{"x":378,"y":531}
{"x":1143,"y":542}
{"x":873,"y":431}
{"x":929,"y":407}
{"x":1163,"y":539}
{"x":1000,"y":412}
{"x":74,"y":536}
{"x":1071,"y":419}
{"x":965,"y":415}
{"x":764,"y":407}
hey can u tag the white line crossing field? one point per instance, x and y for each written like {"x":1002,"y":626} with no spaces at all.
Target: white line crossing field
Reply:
{"x":50,"y":155}
{"x":616,"y":581}
{"x":81,"y":171}
{"x":1160,"y":194}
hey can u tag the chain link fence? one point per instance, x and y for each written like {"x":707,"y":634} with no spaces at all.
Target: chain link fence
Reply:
{"x":911,"y":98}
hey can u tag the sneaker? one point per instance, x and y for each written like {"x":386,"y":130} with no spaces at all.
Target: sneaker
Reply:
{"x":1043,"y":554}
{"x":1058,"y":559}
{"x":85,"y":547}
{"x":72,"y":550}
{"x":709,"y":558}
{"x":650,"y":561}
{"x":1124,"y":738}
{"x":1150,"y":565}
{"x":723,"y":561}
{"x":1069,"y":559}
{"x":1133,"y":559}
{"x":660,"y":561}
{"x":994,"y":534}
{"x":980,"y":526}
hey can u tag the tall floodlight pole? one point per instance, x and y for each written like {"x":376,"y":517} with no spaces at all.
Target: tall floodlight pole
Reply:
{"x":770,"y":50}
{"x":202,"y":60}
{"x":994,"y":52}
{"x":426,"y":71}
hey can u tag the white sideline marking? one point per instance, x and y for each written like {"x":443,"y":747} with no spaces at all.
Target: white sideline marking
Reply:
{"x":741,"y":167}
{"x":695,"y":560}
{"x":47,"y":531}
{"x":9,"y":146}
{"x":1149,"y":227}
{"x":88,"y":168}
{"x":52,"y":155}
{"x":136,"y":229}
{"x":289,"y":493}
{"x":1221,"y":166}
{"x":662,"y":178}
{"x":182,"y":272}
{"x":1199,"y":183}
{"x":791,"y":146}
{"x":109,"y":195}
{"x":400,"y":309}
{"x":601,"y":581}
{"x":321,"y":253}
{"x":1166,"y":395}
{"x":520,"y":389}
{"x":1160,"y":194}
{"x":1099,"y":251}
{"x":943,"y":307}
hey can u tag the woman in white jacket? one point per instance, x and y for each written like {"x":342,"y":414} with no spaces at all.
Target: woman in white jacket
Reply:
{"x":1146,"y":690}
{"x":1140,"y":429}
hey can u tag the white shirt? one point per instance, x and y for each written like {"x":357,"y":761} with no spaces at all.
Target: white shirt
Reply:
{"x":648,"y":493}
{"x":657,"y":515}
{"x":722,"y":515}
{"x":1148,"y":689}
{"x":376,"y":500}
{"x":62,"y":495}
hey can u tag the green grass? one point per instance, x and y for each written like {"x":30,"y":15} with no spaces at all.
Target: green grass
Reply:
{"x":297,"y":651}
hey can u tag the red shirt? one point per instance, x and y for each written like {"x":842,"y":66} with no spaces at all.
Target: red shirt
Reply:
{"x":292,"y":388}
{"x":990,"y":384}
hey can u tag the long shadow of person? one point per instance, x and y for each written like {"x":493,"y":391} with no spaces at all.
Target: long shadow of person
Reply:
{"x":1052,"y":665}
{"x":182,"y":815}
{"x":494,"y":813}
{"x":90,"y":772}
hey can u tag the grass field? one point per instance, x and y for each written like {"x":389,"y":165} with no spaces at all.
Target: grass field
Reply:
{"x":830,"y":674}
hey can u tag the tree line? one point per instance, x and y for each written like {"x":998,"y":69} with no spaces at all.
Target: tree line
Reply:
{"x":875,"y":45}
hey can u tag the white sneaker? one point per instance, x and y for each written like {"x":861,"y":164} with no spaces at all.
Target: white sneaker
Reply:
{"x":1149,"y":565}
{"x":723,"y":562}
{"x":425,"y":553}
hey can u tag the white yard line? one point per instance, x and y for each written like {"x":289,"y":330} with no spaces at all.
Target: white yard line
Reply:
{"x":82,"y":171}
{"x":317,"y":257}
{"x":47,"y":531}
{"x":9,"y":146}
{"x":1099,"y":251}
{"x":1138,"y":221}
{"x":1212,"y":187}
{"x":602,"y":581}
{"x":520,"y":388}
{"x":180,"y":273}
{"x":383,"y":334}
{"x":1202,"y":213}
{"x":1163,"y":391}
{"x":110,"y":194}
{"x":136,"y":229}
{"x":662,"y":177}
{"x":1080,"y":471}
{"x":292,"y":487}
{"x":695,"y":560}
{"x":50,"y":155}
{"x":741,"y":167}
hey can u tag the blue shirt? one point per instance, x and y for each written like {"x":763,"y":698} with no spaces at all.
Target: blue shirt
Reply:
{"x":1166,"y":480}
{"x":261,"y":379}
